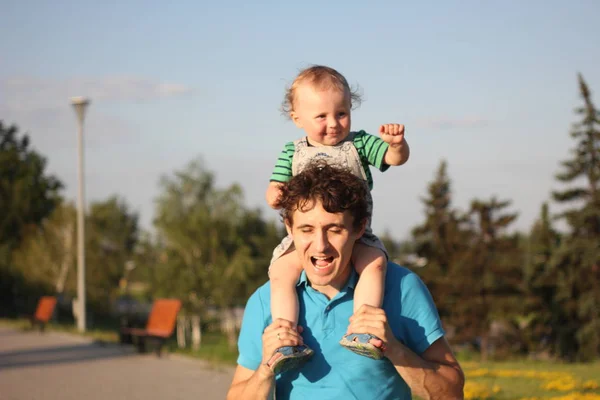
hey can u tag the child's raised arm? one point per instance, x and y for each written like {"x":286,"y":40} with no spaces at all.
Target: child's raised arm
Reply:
{"x":398,"y":150}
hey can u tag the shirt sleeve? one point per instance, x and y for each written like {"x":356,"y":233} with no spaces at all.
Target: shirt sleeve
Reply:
{"x":250,"y":339}
{"x":422,"y":322}
{"x":372,"y":149}
{"x":283,"y":167}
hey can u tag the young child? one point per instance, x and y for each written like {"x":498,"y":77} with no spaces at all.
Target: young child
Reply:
{"x":320,"y":101}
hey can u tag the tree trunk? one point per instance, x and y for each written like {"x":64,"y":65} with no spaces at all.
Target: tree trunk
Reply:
{"x":181,"y":331}
{"x":484,"y":346}
{"x":228,"y":326}
{"x":196,"y":332}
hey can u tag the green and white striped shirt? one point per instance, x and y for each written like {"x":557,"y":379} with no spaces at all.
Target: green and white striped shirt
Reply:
{"x":371,"y":150}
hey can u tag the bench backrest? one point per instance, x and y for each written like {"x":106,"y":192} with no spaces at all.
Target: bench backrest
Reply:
{"x":163,"y":316}
{"x":45,"y":308}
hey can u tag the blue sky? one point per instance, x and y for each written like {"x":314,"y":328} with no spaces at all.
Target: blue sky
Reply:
{"x":488,"y":86}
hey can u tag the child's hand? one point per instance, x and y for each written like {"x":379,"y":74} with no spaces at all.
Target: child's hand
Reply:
{"x":393,"y":134}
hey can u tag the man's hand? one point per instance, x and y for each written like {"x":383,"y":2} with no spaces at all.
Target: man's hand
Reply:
{"x":279,"y":334}
{"x":435,"y":374}
{"x":260,"y":383}
{"x":369,"y":319}
{"x":393,"y":134}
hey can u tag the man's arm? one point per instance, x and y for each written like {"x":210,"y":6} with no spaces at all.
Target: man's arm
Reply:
{"x":248,"y":384}
{"x":434,"y":375}
{"x":258,"y":384}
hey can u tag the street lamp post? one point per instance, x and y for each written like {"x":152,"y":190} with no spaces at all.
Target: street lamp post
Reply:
{"x":80,"y":104}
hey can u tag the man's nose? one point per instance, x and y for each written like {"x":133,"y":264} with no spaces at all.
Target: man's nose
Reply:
{"x":321,"y":242}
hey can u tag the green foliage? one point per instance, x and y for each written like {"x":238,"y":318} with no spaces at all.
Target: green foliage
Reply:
{"x":111,"y":237}
{"x":442,"y":241}
{"x":27,"y":196}
{"x":575,"y":265}
{"x":47,"y":253}
{"x":213,"y":251}
{"x":538,"y":318}
{"x":473,"y":265}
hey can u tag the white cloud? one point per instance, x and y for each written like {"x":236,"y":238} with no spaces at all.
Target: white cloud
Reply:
{"x":22,"y":93}
{"x":443,"y":123}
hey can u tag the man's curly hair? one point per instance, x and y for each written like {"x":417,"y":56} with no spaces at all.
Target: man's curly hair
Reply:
{"x":337,"y":189}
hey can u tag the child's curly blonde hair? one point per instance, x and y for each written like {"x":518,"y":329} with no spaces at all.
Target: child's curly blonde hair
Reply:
{"x":322,"y":77}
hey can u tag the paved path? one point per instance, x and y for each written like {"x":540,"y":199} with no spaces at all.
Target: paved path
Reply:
{"x":53,"y":366}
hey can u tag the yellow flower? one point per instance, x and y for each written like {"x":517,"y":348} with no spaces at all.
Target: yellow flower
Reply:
{"x":476,"y":391}
{"x":590,"y":385}
{"x":563,"y":384}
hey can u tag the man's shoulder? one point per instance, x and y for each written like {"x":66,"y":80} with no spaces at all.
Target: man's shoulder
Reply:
{"x":260,"y":299}
{"x":262,"y":293}
{"x":398,"y":276}
{"x":397,"y":271}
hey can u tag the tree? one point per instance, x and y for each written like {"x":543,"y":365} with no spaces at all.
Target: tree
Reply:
{"x":111,"y":242}
{"x":491,"y":273}
{"x":442,"y":241}
{"x":215,"y":251}
{"x":538,"y":320}
{"x":576,"y":264}
{"x":27,"y":196}
{"x":47,"y":253}
{"x":391,"y":245}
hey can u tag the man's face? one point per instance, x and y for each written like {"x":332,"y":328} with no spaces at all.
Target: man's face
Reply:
{"x":324,"y":243}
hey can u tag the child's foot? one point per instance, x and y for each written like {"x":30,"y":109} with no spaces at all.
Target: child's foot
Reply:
{"x":360,"y":343}
{"x":289,"y":357}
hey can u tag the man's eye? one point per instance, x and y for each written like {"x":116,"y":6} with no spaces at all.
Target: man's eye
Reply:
{"x":335,"y":230}
{"x":320,"y":116}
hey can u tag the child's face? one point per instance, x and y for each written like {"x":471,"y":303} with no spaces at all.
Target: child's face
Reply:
{"x":324,"y":114}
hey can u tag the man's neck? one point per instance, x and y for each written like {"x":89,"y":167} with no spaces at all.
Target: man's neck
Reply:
{"x":331,"y":290}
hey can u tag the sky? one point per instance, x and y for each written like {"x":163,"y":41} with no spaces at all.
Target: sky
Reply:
{"x":490,"y":87}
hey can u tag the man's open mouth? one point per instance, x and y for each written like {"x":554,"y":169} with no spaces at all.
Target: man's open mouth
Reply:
{"x":321,"y":262}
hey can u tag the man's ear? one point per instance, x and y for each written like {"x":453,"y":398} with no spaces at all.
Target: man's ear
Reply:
{"x":361,"y":229}
{"x":294,"y":117}
{"x":288,"y":228}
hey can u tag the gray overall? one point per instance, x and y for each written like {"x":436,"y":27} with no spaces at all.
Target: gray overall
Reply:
{"x":344,"y":155}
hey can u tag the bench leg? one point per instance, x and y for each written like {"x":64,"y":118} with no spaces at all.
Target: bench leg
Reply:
{"x":125,"y":338}
{"x":160,"y":342}
{"x":140,"y":342}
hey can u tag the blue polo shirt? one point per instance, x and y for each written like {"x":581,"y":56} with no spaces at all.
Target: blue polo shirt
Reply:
{"x":335,"y":372}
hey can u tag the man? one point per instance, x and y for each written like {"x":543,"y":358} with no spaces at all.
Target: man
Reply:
{"x":324,"y":209}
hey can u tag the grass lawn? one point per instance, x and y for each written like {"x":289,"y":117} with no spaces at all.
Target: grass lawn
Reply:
{"x":214,"y":349}
{"x":532,"y":380}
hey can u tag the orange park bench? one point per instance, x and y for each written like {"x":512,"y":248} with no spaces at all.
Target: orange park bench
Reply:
{"x":43,"y":312}
{"x":160,"y":326}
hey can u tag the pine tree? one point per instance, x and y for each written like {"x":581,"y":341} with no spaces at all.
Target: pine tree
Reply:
{"x":540,"y":290}
{"x":491,"y":273}
{"x":441,"y":242}
{"x":576,"y":264}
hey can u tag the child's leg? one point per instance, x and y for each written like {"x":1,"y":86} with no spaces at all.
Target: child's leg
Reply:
{"x":284,"y":274}
{"x":371,"y":264}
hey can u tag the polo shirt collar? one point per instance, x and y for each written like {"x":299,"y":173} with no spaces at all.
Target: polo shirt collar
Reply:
{"x":351,"y":284}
